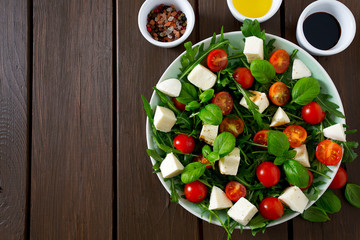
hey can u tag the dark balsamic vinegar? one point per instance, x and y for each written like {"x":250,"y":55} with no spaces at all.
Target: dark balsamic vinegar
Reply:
{"x":322,"y":30}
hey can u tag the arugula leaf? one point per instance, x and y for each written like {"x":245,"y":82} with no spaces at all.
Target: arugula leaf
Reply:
{"x":192,"y":172}
{"x":262,"y":70}
{"x":278,"y":143}
{"x":174,"y":196}
{"x":153,"y":154}
{"x":315,"y":214}
{"x":183,"y":121}
{"x":352,"y":194}
{"x":328,"y":106}
{"x":187,"y":94}
{"x":305,"y":90}
{"x":329,"y":202}
{"x":224,"y":143}
{"x":349,"y":154}
{"x":164,"y":99}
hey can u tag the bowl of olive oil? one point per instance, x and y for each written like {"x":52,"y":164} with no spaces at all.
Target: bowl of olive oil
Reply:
{"x":261,"y":10}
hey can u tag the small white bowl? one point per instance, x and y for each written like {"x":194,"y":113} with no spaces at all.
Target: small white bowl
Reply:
{"x":273,"y":9}
{"x":342,"y":14}
{"x":182,"y":5}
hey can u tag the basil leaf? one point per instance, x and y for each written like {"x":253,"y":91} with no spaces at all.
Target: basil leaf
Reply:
{"x":352,"y":194}
{"x":329,"y":202}
{"x":213,"y":156}
{"x":211,"y":114}
{"x":291,"y":154}
{"x":188,"y":93}
{"x":206,"y":150}
{"x":192,"y":106}
{"x":224,"y":143}
{"x":258,"y":222}
{"x":305,"y":90}
{"x":206,"y":95}
{"x":252,"y":28}
{"x":192,"y":172}
{"x":315,"y":214}
{"x":279,"y":160}
{"x":278,"y":143}
{"x":262,"y":70}
{"x":296,"y":174}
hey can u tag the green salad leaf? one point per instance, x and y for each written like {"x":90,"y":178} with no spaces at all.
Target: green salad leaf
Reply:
{"x":262,"y":70}
{"x":296,"y":174}
{"x":329,"y":202}
{"x":305,"y":90}
{"x":206,"y":95}
{"x":352,"y":194}
{"x":315,"y":214}
{"x":211,"y":114}
{"x":328,"y":106}
{"x":188,"y":93}
{"x":192,"y":171}
{"x":278,"y":143}
{"x":224,"y":143}
{"x":349,"y":153}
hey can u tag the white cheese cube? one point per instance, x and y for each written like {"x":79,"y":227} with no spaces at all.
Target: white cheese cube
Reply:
{"x":336,"y":132}
{"x":294,"y":198}
{"x":171,"y":166}
{"x":280,"y":118}
{"x":202,"y":77}
{"x":229,"y":164}
{"x":302,"y":155}
{"x":300,"y":70}
{"x":164,"y":119}
{"x":209,"y":133}
{"x":259,"y":99}
{"x":242,"y":211}
{"x":218,"y":199}
{"x":254,"y":48}
{"x":170,"y":87}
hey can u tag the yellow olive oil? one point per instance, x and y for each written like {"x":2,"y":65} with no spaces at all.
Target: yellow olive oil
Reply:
{"x":252,"y":8}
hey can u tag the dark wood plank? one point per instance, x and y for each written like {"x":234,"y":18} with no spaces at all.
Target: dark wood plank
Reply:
{"x":343,"y":70}
{"x":144,"y":208}
{"x":72,"y":144}
{"x":14,"y":113}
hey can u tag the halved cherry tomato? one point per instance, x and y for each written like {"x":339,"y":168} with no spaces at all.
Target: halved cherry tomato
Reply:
{"x":311,"y":179}
{"x":280,"y":59}
{"x":268,"y":174}
{"x":296,"y":135}
{"x":178,"y":104}
{"x":279,"y":94}
{"x":217,"y":60}
{"x":235,"y":126}
{"x":235,"y":190}
{"x":184,"y":143}
{"x":312,"y":113}
{"x":339,"y":180}
{"x":224,"y":101}
{"x":271,"y":208}
{"x":202,"y":159}
{"x":195,"y":191}
{"x":244,"y":77}
{"x":328,"y":152}
{"x":261,"y":137}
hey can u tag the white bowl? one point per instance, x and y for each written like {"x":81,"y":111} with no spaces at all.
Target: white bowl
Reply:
{"x":327,"y":86}
{"x":273,"y":9}
{"x":182,"y":5}
{"x":341,"y":13}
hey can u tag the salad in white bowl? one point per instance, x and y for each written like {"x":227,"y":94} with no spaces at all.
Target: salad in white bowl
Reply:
{"x":246,"y":130}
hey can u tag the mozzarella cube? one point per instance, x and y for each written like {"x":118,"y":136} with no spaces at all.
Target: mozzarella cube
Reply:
{"x":218,"y":199}
{"x":302,"y":155}
{"x":164,"y":119}
{"x":259,"y":99}
{"x":229,"y":164}
{"x":280,"y":118}
{"x":294,"y":198}
{"x":300,"y":70}
{"x":202,"y":77}
{"x":336,"y":132}
{"x":242,"y":211}
{"x":254,"y":48}
{"x":171,"y":166}
{"x":170,"y":87}
{"x":209,"y":133}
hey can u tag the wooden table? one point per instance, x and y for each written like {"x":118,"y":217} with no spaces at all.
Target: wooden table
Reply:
{"x":72,"y":127}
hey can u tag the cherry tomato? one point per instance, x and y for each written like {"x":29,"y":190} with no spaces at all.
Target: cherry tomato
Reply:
{"x":178,"y":104}
{"x":279,"y":94}
{"x":235,"y":190}
{"x":271,"y":208}
{"x":339,"y":180}
{"x":224,"y":101}
{"x":280,"y":59}
{"x":184,"y":143}
{"x":217,"y":60}
{"x":195,"y":191}
{"x":311,"y":179}
{"x":312,"y":113}
{"x":235,"y":126}
{"x":261,"y":137}
{"x":202,"y":159}
{"x":243,"y":77}
{"x":328,"y":152}
{"x":296,"y":135}
{"x":268,"y":174}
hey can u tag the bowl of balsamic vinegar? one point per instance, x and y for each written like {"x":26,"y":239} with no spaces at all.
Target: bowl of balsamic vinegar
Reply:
{"x":325,"y":27}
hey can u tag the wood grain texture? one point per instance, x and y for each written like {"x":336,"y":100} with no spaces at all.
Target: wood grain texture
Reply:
{"x":144,"y":209}
{"x":72,"y":143}
{"x":343,"y":70}
{"x":14,"y":112}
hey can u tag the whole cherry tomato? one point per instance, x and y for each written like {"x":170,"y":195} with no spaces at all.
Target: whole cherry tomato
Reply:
{"x":339,"y":180}
{"x":195,"y":191}
{"x":184,"y":143}
{"x":312,"y":113}
{"x":271,"y":208}
{"x":268,"y":174}
{"x":178,"y":104}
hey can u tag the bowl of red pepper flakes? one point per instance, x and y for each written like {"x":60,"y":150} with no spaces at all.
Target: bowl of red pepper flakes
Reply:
{"x":166,"y":23}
